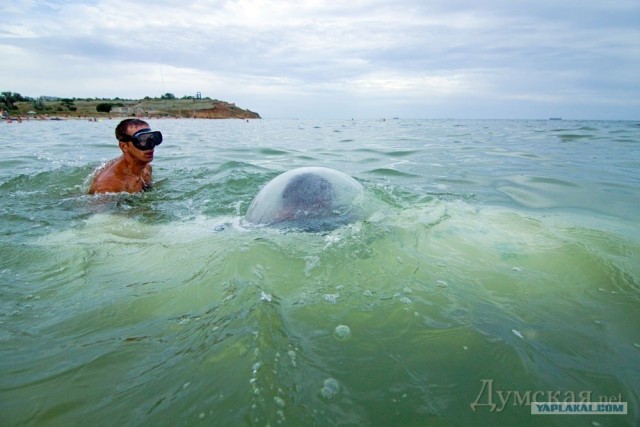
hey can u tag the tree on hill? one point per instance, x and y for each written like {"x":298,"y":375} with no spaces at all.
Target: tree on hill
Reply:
{"x":8,"y":100}
{"x":68,"y":103}
{"x":38,"y":104}
{"x":168,"y":96}
{"x":104,"y":107}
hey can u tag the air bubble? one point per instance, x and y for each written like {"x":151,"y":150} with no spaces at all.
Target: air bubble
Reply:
{"x":292,"y":356}
{"x":330,"y":389}
{"x":342,"y":332}
{"x":265,"y":296}
{"x":332,"y":298}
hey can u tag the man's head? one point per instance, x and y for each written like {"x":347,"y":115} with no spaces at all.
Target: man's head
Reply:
{"x":307,"y":194}
{"x":137,"y":140}
{"x":308,"y":199}
{"x":128,"y":127}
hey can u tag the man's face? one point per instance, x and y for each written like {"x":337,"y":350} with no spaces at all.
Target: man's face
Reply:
{"x":144,"y":156}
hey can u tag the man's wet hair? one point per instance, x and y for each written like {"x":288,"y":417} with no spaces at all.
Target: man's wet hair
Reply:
{"x":123,"y":127}
{"x":308,"y":191}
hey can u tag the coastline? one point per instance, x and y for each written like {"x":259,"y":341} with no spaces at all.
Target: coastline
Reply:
{"x":20,"y":119}
{"x":108,"y":109}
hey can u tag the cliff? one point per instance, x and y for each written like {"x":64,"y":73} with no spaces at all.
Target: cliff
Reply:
{"x":198,"y":108}
{"x":191,"y":108}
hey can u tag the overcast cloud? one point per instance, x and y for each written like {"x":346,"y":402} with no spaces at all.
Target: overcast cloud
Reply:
{"x":335,"y":59}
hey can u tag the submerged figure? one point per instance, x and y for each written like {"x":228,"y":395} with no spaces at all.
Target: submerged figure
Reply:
{"x":308,"y":199}
{"x":306,"y":194}
{"x":130,"y":173}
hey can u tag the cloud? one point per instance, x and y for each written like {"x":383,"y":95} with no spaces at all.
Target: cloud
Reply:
{"x":551,"y":55}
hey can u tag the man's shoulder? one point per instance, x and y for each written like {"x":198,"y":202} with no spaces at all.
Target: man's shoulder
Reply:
{"x":106,"y":179}
{"x":108,"y":167}
{"x":106,"y":184}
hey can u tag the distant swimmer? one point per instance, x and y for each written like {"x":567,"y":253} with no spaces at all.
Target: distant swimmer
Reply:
{"x":131,"y":172}
{"x":308,"y":199}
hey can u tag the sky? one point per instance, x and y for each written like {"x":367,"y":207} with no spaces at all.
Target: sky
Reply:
{"x":342,"y":59}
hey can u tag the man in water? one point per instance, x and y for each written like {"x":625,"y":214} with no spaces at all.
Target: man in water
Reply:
{"x":307,"y":199}
{"x":131,"y":172}
{"x":306,"y":195}
{"x":308,"y":204}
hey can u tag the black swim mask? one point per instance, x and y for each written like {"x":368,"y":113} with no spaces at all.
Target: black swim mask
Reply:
{"x":144,"y":139}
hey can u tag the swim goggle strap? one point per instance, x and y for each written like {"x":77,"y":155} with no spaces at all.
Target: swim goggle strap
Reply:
{"x":144,"y":139}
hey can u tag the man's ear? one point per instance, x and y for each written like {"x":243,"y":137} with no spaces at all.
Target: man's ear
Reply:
{"x":123,"y":146}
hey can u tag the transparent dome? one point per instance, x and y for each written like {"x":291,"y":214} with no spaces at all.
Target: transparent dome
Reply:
{"x":308,"y":198}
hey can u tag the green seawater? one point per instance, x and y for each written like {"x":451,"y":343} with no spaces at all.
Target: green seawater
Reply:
{"x":498,"y":262}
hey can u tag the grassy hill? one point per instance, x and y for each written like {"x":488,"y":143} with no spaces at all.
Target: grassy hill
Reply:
{"x":204,"y":108}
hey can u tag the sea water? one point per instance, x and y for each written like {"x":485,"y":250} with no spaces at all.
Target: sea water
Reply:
{"x":497,"y":265}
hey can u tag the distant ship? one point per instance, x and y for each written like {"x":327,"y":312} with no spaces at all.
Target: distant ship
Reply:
{"x":555,"y":118}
